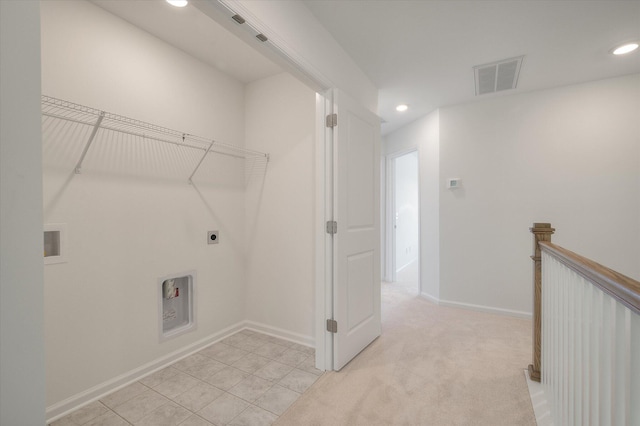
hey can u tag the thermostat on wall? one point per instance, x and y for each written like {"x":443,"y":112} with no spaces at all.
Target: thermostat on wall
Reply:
{"x":454,"y":183}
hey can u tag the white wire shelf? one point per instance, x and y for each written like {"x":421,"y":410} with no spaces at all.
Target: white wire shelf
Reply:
{"x":72,"y":112}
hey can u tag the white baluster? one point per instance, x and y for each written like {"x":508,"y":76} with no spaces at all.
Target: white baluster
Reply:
{"x":590,"y":351}
{"x":608,"y":324}
{"x":596,"y":340}
{"x":622,"y":364}
{"x":634,"y":391}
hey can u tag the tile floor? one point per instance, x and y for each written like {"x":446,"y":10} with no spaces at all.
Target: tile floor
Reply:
{"x":246,"y":379}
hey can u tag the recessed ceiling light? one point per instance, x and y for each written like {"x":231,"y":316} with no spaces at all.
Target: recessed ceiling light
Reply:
{"x":402,"y":108}
{"x":625,"y":48}
{"x":178,"y":3}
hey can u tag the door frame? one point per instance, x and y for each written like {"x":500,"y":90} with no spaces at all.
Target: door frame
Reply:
{"x":323,"y":240}
{"x":389,"y":230}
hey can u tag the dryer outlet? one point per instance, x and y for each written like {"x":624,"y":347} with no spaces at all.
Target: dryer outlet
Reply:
{"x":213,"y":237}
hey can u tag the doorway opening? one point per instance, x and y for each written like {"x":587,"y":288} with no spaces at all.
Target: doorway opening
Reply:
{"x":403,"y":220}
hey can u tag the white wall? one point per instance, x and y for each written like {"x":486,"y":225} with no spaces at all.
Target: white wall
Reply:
{"x":423,"y":134}
{"x":569,"y":156}
{"x":22,"y":383}
{"x":132,"y":217}
{"x":280,"y":114}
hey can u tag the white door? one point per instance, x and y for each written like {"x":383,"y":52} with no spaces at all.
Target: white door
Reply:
{"x":356,"y":304}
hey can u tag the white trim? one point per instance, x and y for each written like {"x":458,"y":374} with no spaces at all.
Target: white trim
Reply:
{"x":62,"y":408}
{"x":319,"y":233}
{"x":406,"y":265}
{"x":488,"y":309}
{"x":480,"y":308}
{"x":384,"y":268}
{"x":388,"y":248}
{"x":323,"y":243}
{"x":280,"y":333}
{"x":420,"y":248}
{"x":329,"y":214}
{"x":541,"y":408}
{"x":94,"y":393}
{"x":430,"y":298}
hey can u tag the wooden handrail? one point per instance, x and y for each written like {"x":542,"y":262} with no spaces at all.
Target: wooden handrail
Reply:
{"x":622,"y":288}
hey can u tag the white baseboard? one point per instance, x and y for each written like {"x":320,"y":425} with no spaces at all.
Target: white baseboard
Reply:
{"x":430,"y":298}
{"x":301,"y":339}
{"x":481,"y":308}
{"x":81,"y":399}
{"x":406,"y":265}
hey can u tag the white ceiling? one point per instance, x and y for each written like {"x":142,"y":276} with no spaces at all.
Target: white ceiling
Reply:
{"x":192,"y":31}
{"x":422,"y":52}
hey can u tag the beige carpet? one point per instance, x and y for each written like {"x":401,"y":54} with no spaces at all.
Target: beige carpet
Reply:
{"x":432,"y":366}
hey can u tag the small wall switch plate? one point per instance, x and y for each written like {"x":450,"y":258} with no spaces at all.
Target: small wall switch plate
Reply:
{"x":454,"y":183}
{"x":212,"y":237}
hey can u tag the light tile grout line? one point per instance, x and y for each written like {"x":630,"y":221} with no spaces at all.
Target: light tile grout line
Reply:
{"x":248,"y":342}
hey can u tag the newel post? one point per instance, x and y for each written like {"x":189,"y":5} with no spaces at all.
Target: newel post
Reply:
{"x":541,"y":232}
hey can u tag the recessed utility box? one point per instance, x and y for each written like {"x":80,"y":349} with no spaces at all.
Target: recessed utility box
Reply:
{"x":176,"y":304}
{"x":55,"y":238}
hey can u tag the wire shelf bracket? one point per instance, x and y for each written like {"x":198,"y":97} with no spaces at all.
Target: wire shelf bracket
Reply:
{"x":200,"y":162}
{"x":89,"y":141}
{"x":97,"y":119}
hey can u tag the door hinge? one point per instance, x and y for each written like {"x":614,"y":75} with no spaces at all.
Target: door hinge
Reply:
{"x":332,"y":326}
{"x":332,"y":120}
{"x":332,"y":227}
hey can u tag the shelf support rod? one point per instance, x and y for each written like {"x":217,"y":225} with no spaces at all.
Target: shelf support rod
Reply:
{"x":200,"y":162}
{"x":88,"y":144}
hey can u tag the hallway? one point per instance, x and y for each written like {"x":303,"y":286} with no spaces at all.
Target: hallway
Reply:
{"x":432,"y":366}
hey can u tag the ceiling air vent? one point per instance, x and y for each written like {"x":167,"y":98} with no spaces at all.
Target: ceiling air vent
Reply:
{"x":497,"y":76}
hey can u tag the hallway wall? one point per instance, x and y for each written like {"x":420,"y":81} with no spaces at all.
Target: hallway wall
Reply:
{"x":569,"y":156}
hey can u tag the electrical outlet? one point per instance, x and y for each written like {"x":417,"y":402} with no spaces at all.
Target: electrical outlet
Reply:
{"x":213,"y":237}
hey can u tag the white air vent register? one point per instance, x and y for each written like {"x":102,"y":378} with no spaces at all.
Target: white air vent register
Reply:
{"x":497,"y":76}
